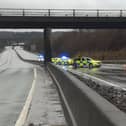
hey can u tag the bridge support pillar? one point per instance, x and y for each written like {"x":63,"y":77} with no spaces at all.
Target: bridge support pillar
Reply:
{"x":47,"y":45}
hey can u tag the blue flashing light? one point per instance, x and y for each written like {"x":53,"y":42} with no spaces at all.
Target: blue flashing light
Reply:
{"x":41,"y":57}
{"x":64,"y":57}
{"x":64,"y":54}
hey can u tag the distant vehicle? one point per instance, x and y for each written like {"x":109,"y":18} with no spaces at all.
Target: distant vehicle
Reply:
{"x":56,"y":60}
{"x":86,"y":62}
{"x":66,"y":60}
{"x":41,"y":57}
{"x":62,"y":61}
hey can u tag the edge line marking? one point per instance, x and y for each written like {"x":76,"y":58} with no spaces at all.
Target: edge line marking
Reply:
{"x":23,"y":115}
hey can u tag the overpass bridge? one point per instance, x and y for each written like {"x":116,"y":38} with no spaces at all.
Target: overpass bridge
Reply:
{"x":83,"y":106}
{"x":60,"y":18}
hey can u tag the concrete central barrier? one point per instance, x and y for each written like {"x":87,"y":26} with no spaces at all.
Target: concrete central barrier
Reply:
{"x":84,"y":106}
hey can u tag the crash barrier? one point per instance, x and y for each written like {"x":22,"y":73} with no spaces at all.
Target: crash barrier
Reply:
{"x":30,"y":61}
{"x":84,"y":106}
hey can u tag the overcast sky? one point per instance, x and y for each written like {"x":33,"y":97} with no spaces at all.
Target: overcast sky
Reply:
{"x":63,"y":4}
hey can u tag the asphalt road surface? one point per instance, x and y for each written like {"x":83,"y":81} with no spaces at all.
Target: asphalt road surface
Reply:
{"x":15,"y":82}
{"x":113,"y":73}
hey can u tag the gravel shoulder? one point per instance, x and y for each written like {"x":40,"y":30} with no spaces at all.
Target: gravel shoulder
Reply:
{"x":115,"y":95}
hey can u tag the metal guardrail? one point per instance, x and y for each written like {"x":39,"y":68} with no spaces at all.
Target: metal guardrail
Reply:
{"x":63,"y":12}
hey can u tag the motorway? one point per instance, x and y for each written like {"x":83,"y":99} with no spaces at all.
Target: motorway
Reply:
{"x":15,"y":82}
{"x":113,"y":73}
{"x":16,"y":78}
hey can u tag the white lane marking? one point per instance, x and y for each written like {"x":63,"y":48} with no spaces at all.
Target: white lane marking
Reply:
{"x":97,"y":79}
{"x":23,"y":115}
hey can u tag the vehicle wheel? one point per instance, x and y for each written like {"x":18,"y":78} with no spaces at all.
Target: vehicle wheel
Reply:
{"x":75,"y":65}
{"x":90,"y":66}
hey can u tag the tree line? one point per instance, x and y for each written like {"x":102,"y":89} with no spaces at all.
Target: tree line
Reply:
{"x":102,"y":44}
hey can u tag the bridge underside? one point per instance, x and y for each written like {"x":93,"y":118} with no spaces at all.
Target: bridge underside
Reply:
{"x":26,"y":22}
{"x":49,"y":22}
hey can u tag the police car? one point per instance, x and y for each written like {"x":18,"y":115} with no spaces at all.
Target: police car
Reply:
{"x":66,"y":60}
{"x":56,"y":60}
{"x":62,"y":61}
{"x":40,"y":57}
{"x":86,"y":62}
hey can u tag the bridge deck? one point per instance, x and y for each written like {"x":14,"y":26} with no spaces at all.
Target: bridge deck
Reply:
{"x":59,"y":18}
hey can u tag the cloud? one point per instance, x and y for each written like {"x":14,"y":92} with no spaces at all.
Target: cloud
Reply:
{"x":63,"y":4}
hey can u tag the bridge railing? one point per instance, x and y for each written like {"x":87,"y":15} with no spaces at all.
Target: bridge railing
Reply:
{"x":63,"y":12}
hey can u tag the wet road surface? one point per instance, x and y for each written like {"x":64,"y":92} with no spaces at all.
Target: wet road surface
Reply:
{"x":15,"y":82}
{"x":46,"y":107}
{"x":113,"y":73}
{"x":16,"y":79}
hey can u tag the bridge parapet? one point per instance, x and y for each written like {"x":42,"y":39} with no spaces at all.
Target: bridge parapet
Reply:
{"x":63,"y":12}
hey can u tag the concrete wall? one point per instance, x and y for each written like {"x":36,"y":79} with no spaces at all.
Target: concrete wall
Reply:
{"x":85,"y":107}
